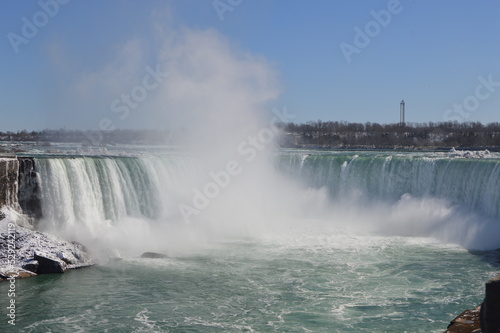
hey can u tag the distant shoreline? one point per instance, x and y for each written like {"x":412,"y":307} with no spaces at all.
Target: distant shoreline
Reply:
{"x":317,"y":135}
{"x":430,"y":149}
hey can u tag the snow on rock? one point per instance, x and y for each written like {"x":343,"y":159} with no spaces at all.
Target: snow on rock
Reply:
{"x":469,"y":154}
{"x":19,"y":246}
{"x":18,"y":273}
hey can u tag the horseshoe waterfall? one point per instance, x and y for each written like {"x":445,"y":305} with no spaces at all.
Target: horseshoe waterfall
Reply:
{"x":319,"y":241}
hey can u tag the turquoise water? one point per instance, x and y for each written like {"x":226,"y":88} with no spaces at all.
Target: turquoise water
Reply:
{"x":306,"y":283}
{"x":300,"y":242}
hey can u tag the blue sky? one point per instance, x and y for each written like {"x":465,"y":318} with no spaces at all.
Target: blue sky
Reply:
{"x":441,"y":57}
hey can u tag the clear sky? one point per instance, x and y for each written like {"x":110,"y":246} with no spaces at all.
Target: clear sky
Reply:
{"x":331,"y":59}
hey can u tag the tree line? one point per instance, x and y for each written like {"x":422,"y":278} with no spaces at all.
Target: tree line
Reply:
{"x":312,"y":134}
{"x":340,"y":134}
{"x":94,"y":137}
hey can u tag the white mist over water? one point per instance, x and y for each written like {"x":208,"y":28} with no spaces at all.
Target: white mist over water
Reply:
{"x":132,"y":204}
{"x":226,"y":184}
{"x":222,"y":95}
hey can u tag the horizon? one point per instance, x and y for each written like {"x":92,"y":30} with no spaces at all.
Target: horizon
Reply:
{"x":329,"y":61}
{"x":407,"y":124}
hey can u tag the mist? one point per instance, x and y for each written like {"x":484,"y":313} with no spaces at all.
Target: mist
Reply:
{"x":223,"y":96}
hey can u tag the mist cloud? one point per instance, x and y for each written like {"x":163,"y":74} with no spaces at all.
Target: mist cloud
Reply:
{"x":213,"y":85}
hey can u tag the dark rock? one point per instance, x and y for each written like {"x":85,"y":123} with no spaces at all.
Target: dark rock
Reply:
{"x":153,"y":255}
{"x":49,"y":265}
{"x":490,"y":311}
{"x":29,"y":190}
{"x":31,"y":265}
{"x":466,"y":322}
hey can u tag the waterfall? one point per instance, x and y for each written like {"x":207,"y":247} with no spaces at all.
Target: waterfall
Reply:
{"x":429,"y":195}
{"x":471,"y":183}
{"x":77,"y":190}
{"x":90,"y":190}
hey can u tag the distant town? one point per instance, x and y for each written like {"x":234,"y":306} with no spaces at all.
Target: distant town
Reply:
{"x":311,"y":135}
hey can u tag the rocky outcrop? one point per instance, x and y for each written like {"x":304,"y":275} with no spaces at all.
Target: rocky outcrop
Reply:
{"x":154,"y":255}
{"x":52,"y":254}
{"x":466,"y":322}
{"x":47,"y":265}
{"x":490,"y":311}
{"x":483,"y":319}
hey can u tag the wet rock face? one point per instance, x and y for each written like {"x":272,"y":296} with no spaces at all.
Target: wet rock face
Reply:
{"x":29,"y":191}
{"x":20,"y":186}
{"x":9,"y":167}
{"x":490,"y":311}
